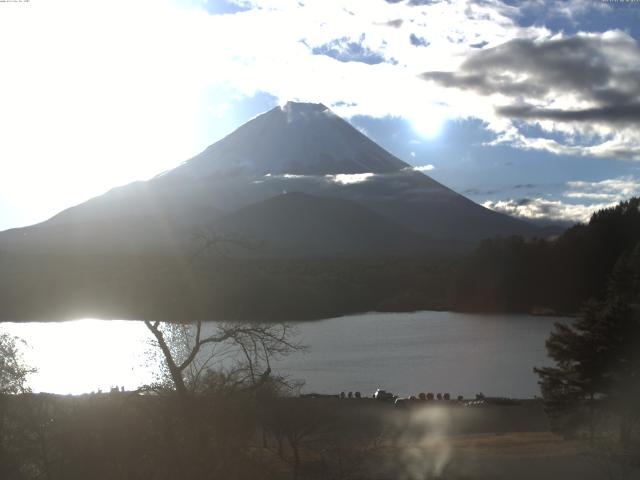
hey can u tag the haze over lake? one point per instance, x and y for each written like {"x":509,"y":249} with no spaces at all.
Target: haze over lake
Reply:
{"x":406,"y":353}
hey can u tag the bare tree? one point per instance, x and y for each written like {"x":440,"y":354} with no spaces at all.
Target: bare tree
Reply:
{"x":243,"y":352}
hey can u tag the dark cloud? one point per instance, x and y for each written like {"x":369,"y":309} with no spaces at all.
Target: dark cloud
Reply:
{"x":397,"y":23}
{"x":478,"y":191}
{"x":346,"y":50}
{"x":482,"y":192}
{"x":487,"y":84}
{"x":610,"y":114}
{"x":521,"y":202}
{"x":602,"y":71}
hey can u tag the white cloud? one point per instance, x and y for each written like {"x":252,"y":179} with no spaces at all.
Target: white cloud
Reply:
{"x":294,"y":176}
{"x":591,"y":196}
{"x":601,"y":194}
{"x":613,"y":189}
{"x":350,"y":178}
{"x":621,"y":145}
{"x":423,"y":168}
{"x":544,"y":209}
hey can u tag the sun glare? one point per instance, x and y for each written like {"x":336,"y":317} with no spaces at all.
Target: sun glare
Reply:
{"x":428,"y":123}
{"x":113,"y":108}
{"x":85,"y":355}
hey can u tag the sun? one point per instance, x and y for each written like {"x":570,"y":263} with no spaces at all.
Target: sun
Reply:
{"x":428,"y":122}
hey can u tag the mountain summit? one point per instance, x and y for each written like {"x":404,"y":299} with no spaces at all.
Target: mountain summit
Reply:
{"x":299,"y":147}
{"x":295,"y":139}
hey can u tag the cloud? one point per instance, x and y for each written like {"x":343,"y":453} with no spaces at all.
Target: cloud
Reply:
{"x":583,"y":88}
{"x":570,"y":11}
{"x":617,"y":113}
{"x":293,"y":176}
{"x":417,"y":41}
{"x":595,"y":68}
{"x":589,"y":196}
{"x":345,"y":50}
{"x":221,"y":7}
{"x":614,"y":189}
{"x":423,"y":168}
{"x":397,"y":23}
{"x":493,"y":191}
{"x":599,"y":195}
{"x":544,"y":209}
{"x":350,"y":178}
{"x":623,"y":145}
{"x":478,"y":191}
{"x":340,"y":179}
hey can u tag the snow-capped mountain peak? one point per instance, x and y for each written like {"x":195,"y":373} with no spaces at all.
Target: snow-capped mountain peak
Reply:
{"x":297,"y":139}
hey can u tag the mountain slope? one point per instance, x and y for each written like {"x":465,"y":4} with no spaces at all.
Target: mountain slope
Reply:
{"x":299,"y":224}
{"x":298,"y":147}
{"x":296,"y":139}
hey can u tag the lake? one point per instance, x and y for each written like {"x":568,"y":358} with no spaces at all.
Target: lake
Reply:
{"x":406,"y":353}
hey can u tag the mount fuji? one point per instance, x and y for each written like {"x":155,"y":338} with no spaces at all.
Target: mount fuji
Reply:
{"x":298,"y":178}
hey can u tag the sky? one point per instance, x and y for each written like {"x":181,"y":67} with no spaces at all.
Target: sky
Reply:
{"x":530,"y":108}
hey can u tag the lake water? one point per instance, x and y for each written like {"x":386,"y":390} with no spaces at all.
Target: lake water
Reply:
{"x":406,"y":353}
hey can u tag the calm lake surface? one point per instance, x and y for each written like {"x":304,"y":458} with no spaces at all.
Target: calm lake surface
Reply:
{"x":406,"y":353}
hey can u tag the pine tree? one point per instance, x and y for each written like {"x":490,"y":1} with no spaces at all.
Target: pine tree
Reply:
{"x":597,"y":358}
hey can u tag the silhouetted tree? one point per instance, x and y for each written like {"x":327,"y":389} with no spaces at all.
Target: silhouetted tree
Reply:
{"x":597,"y":357}
{"x":188,"y":354}
{"x":327,"y":436}
{"x":511,"y":274}
{"x":13,"y":381}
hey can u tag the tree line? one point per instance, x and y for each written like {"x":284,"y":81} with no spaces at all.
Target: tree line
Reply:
{"x":593,"y":388}
{"x":517,"y":275}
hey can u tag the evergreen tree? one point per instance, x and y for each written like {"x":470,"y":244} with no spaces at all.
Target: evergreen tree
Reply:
{"x":597,"y":371}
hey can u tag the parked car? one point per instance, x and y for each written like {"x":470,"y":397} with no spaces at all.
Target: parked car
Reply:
{"x":384,"y":396}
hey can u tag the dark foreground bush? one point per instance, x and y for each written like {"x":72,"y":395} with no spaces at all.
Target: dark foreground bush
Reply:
{"x":132,"y":436}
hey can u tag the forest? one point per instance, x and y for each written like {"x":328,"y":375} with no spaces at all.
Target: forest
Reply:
{"x":547,"y":276}
{"x":508,"y":274}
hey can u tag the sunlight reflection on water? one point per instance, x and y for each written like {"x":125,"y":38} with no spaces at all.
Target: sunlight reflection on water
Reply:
{"x":402,"y":352}
{"x":85,"y":355}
